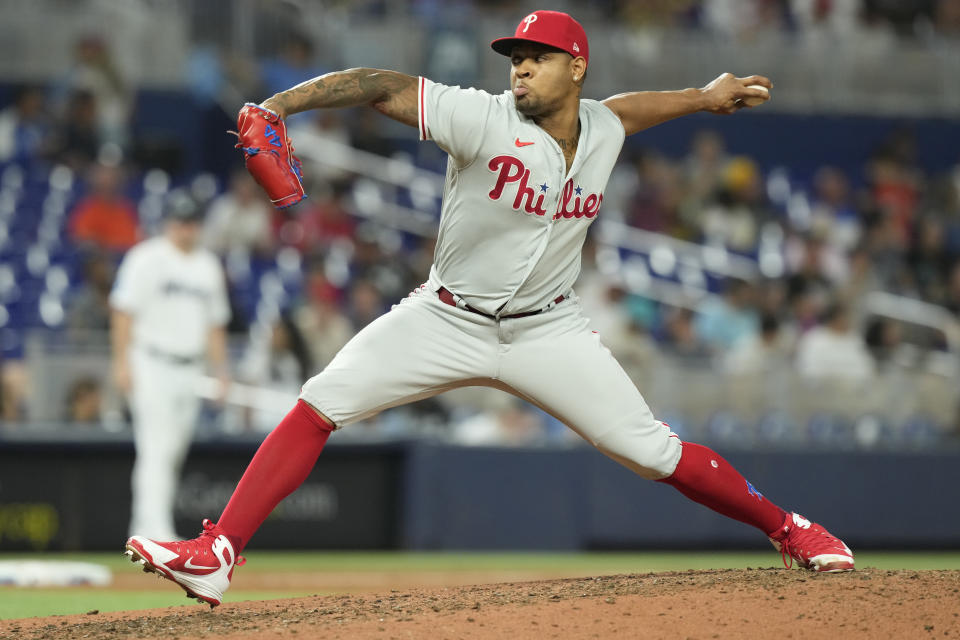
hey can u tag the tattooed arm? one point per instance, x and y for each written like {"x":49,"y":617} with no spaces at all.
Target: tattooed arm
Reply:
{"x":392,"y":94}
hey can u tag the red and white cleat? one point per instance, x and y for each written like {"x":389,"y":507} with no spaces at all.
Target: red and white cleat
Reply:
{"x":203,"y":567}
{"x":812,"y":546}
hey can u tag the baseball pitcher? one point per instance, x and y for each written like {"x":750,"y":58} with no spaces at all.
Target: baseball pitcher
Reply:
{"x":525,"y":179}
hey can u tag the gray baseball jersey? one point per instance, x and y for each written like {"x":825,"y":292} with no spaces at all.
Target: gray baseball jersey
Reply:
{"x":513,"y":220}
{"x":512,"y":227}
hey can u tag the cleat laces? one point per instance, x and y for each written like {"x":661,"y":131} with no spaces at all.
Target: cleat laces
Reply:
{"x":800,"y":543}
{"x":190,"y":547}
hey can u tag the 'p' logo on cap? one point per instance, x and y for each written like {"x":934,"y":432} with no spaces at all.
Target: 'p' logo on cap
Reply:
{"x":552,"y":28}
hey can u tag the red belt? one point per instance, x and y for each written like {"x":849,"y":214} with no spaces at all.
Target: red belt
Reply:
{"x":446,"y":297}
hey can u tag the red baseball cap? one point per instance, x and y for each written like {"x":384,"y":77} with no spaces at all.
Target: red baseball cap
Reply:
{"x":553,"y":28}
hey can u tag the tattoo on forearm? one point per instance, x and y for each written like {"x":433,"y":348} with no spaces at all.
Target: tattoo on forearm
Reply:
{"x":391,"y":93}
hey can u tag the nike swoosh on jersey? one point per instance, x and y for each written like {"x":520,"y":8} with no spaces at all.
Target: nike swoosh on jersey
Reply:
{"x":521,"y":144}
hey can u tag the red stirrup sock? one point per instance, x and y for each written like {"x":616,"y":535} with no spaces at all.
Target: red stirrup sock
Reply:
{"x":281,"y":464}
{"x":705,"y":477}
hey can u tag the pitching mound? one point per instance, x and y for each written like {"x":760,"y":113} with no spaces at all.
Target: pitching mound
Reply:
{"x":761,"y":603}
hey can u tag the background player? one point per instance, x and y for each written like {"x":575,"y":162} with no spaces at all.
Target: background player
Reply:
{"x":169,"y":314}
{"x":525,"y":178}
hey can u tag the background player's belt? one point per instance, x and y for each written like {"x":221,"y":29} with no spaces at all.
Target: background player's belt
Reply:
{"x":447,"y":297}
{"x":172,"y":358}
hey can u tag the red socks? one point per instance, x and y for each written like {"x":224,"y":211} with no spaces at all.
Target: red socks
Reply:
{"x":705,"y":477}
{"x":281,"y":464}
{"x":288,"y":454}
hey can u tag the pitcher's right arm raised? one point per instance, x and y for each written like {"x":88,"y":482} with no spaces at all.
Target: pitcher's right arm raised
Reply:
{"x":389,"y":92}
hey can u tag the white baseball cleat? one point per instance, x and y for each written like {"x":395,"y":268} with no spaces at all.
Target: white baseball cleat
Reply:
{"x":203,"y":567}
{"x":812,"y":546}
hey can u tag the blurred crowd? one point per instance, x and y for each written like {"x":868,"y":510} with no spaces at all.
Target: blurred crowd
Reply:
{"x":837,"y":18}
{"x":891,"y":227}
{"x":724,"y":18}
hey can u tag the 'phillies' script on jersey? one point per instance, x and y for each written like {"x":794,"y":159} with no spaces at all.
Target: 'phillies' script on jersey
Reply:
{"x":514,"y":217}
{"x":512,"y":170}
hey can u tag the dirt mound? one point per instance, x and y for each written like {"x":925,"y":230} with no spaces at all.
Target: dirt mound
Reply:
{"x":761,"y":603}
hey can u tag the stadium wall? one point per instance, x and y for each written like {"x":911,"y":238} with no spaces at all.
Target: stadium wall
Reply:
{"x":437,"y":497}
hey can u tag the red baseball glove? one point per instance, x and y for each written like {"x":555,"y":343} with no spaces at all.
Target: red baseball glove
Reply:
{"x":268,"y":154}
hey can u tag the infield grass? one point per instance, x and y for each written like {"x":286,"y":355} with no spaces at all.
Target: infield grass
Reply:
{"x":29,"y":602}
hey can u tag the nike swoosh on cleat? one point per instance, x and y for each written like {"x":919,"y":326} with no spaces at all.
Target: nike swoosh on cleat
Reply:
{"x":521,"y":144}
{"x":189,"y":565}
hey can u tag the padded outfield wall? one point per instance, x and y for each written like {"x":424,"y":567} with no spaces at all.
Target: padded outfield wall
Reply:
{"x":72,"y":496}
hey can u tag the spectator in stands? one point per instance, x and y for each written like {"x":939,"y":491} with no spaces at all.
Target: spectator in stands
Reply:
{"x":928,"y":260}
{"x":77,"y":140}
{"x":216,"y":75}
{"x":702,"y":174}
{"x":239,"y":220}
{"x":735,"y":216}
{"x":862,"y":279}
{"x":105,"y":219}
{"x":364,"y":303}
{"x":744,"y":19}
{"x":510,"y":424}
{"x":319,"y":320}
{"x":680,"y":338}
{"x":277,"y":360}
{"x":655,"y":205}
{"x":814,"y":257}
{"x":600,"y":293}
{"x":95,"y":71}
{"x":320,"y":222}
{"x":895,"y":188}
{"x":833,"y":209}
{"x":812,"y":267}
{"x":806,"y":305}
{"x":723,"y":321}
{"x":634,"y":349}
{"x":83,"y":402}
{"x":366,"y":132}
{"x":323,"y":144}
{"x":294,"y":64}
{"x":421,"y":256}
{"x":377,"y":258}
{"x":24,"y":127}
{"x":884,"y":338}
{"x":826,"y":22}
{"x":768,"y":351}
{"x":834,"y":350}
{"x":88,"y":311}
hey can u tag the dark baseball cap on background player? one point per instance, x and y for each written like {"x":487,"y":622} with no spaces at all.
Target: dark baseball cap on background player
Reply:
{"x":552,"y":28}
{"x":182,"y":207}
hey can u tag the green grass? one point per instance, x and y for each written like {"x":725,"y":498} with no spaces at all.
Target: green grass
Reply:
{"x":28,"y":602}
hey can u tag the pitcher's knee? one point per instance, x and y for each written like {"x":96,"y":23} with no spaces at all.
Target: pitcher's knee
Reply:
{"x":320,"y":402}
{"x":650,"y":451}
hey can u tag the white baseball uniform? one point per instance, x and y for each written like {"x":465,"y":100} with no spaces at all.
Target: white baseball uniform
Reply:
{"x":175,"y":299}
{"x":513,"y":223}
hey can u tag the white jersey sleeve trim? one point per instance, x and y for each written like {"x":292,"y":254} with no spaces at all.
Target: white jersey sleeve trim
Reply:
{"x":421,"y":91}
